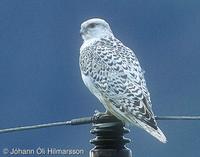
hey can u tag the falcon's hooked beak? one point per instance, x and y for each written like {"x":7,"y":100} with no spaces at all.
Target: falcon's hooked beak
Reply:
{"x":81,"y":32}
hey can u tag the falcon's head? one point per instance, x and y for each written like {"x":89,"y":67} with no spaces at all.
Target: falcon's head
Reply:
{"x":95,"y":28}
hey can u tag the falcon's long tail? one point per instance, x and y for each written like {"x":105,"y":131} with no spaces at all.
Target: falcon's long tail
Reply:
{"x":154,"y":131}
{"x":145,"y":119}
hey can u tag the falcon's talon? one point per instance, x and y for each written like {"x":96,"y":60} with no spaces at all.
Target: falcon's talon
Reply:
{"x":96,"y":111}
{"x":99,"y":114}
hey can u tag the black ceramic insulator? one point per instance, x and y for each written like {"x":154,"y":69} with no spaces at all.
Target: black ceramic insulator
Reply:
{"x":109,"y":140}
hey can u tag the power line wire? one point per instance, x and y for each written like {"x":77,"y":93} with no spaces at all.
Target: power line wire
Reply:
{"x":177,"y":117}
{"x":87,"y":120}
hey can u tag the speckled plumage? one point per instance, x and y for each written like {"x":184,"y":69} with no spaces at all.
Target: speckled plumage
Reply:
{"x":112,"y":72}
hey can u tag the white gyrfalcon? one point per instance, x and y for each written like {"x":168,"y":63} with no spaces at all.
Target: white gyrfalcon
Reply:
{"x":111,"y":71}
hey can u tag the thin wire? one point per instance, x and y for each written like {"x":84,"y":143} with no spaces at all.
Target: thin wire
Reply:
{"x":30,"y":127}
{"x":87,"y":120}
{"x":177,"y":117}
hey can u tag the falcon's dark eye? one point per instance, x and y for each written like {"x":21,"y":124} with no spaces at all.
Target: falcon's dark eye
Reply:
{"x":92,"y":25}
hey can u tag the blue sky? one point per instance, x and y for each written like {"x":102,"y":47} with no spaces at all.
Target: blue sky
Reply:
{"x":40,"y":80}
